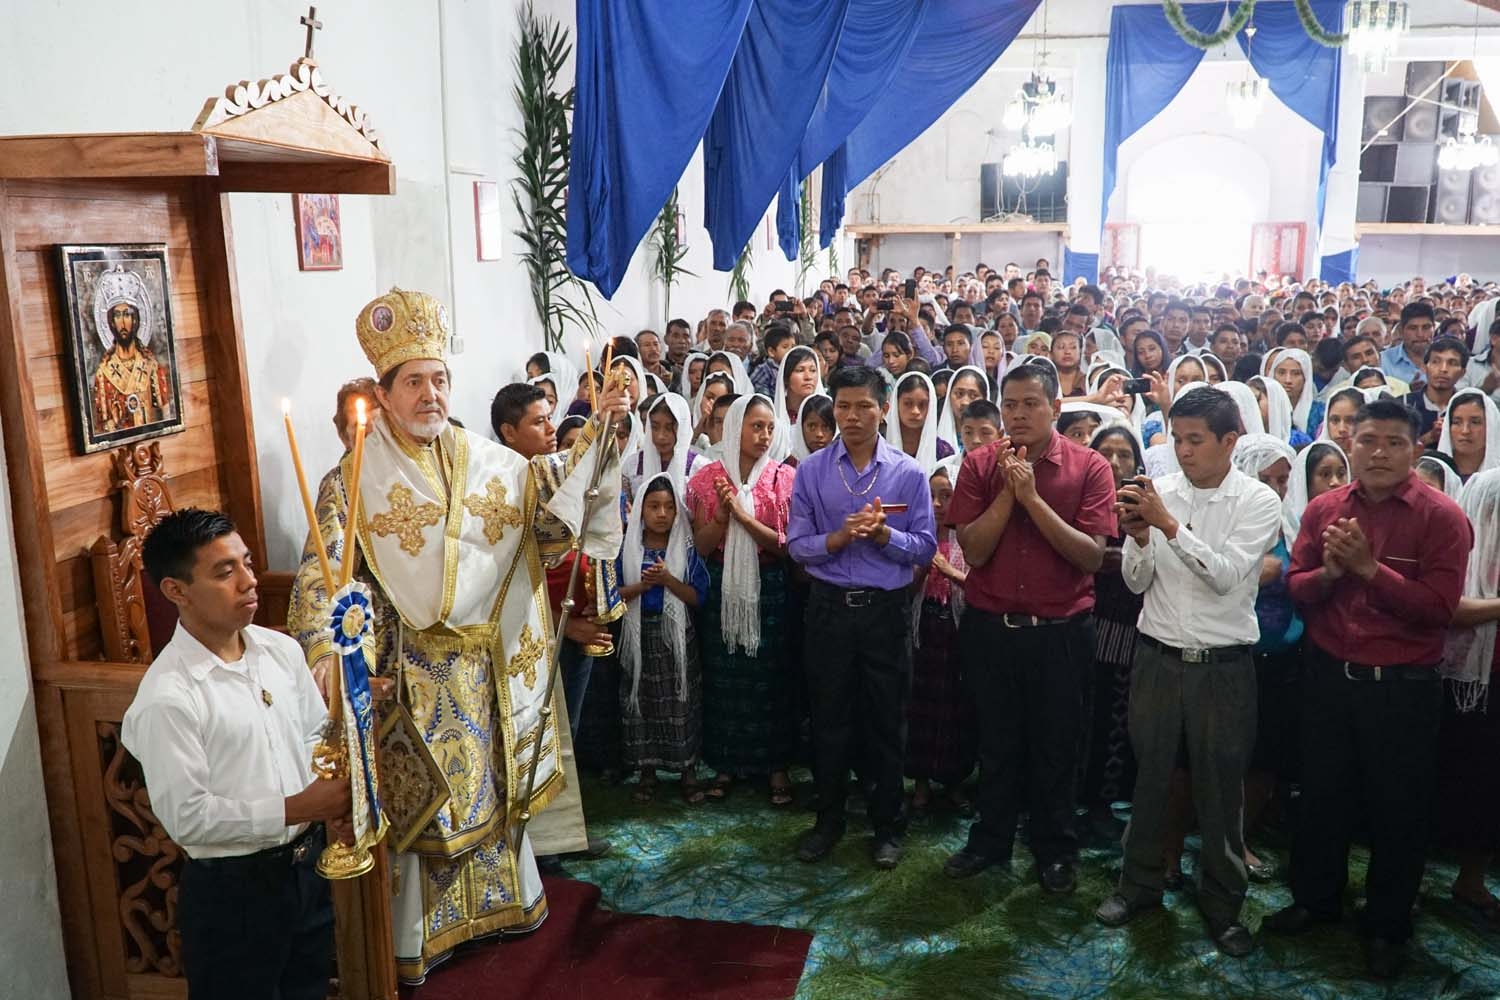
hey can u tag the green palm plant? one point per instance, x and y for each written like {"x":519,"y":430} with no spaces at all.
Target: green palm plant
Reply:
{"x":807,"y":240}
{"x":739,"y":278}
{"x":541,"y":183}
{"x":669,"y":251}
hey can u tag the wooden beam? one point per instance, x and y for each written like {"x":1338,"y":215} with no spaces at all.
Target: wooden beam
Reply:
{"x":1422,"y":229}
{"x":224,"y":346}
{"x":859,"y":229}
{"x":126,"y":154}
{"x":368,"y":177}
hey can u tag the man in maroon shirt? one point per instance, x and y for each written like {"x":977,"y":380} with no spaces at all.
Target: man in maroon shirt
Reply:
{"x":1377,"y":570}
{"x":1032,"y":511}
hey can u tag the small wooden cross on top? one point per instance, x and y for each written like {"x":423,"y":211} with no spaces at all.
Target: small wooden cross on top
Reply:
{"x":313,"y":24}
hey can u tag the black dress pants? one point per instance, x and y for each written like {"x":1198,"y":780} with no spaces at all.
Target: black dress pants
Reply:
{"x":1027,"y":685}
{"x":257,"y":927}
{"x":858,"y":663}
{"x":1370,"y":744}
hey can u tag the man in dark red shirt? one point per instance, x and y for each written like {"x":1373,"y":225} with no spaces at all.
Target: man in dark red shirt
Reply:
{"x":1377,"y":570}
{"x":1032,"y":511}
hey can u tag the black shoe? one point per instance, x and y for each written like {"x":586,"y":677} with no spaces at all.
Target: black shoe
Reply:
{"x":1058,"y":878}
{"x":816,"y":843}
{"x":1293,"y":920}
{"x":1234,"y":941}
{"x":1116,"y":911}
{"x":1384,"y":958}
{"x":887,"y":853}
{"x":549,"y":864}
{"x":968,"y":862}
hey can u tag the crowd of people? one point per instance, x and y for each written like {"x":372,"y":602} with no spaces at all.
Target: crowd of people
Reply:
{"x":1048,"y":557}
{"x":1196,"y":555}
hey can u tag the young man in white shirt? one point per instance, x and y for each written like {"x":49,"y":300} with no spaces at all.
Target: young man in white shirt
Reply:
{"x":1194,"y":550}
{"x":224,"y":724}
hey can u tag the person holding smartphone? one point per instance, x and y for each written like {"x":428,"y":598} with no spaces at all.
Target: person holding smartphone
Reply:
{"x":1195,"y":541}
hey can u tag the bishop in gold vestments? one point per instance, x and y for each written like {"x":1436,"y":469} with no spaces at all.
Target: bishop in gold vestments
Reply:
{"x":447,"y":541}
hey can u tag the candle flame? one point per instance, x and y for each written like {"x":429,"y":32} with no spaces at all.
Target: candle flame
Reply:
{"x":286,"y":406}
{"x":359,"y":411}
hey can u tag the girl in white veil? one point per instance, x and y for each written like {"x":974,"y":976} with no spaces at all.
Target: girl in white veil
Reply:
{"x":947,"y":429}
{"x":926,"y":453}
{"x":1306,"y":485}
{"x":1490,"y":459}
{"x":682,"y":383}
{"x":788,"y":428}
{"x":742,"y":383}
{"x":1278,"y":405}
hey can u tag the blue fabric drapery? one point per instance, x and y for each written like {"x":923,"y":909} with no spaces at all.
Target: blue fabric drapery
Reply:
{"x":771,"y":88}
{"x":763,"y":111}
{"x":1148,"y":64}
{"x":1080,"y":265}
{"x":1301,"y":73}
{"x":1340,"y":267}
{"x":647,"y":83}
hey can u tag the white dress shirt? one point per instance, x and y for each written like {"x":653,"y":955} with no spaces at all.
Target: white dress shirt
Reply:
{"x":1200,"y":587}
{"x":223,"y":744}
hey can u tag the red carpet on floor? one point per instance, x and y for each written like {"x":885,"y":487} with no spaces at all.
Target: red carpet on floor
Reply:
{"x":582,"y":952}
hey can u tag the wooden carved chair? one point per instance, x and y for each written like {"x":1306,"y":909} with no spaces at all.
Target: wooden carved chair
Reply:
{"x":134,"y":617}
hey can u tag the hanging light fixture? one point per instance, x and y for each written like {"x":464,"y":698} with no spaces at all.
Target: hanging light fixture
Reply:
{"x":1030,"y":159}
{"x":1015,"y":116}
{"x":1245,"y":97}
{"x":1049,"y":110}
{"x":1375,"y":28}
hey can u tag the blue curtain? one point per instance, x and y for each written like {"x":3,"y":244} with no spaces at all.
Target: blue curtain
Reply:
{"x":1301,"y":73}
{"x":1085,"y":265}
{"x":1146,"y":66}
{"x":1340,"y":267}
{"x":647,"y":83}
{"x":757,"y":128}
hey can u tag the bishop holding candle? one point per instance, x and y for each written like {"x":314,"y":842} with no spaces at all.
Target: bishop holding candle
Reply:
{"x":444,"y":535}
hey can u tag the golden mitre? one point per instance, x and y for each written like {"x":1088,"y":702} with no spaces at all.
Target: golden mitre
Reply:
{"x":403,"y":326}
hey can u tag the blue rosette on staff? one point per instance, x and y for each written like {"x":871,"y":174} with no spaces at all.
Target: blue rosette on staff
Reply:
{"x":350,"y":626}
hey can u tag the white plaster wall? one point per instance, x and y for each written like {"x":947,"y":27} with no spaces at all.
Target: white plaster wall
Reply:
{"x":1394,"y":259}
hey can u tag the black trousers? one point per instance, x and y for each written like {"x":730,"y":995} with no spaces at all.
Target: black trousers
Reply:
{"x":858,"y":662}
{"x":258,"y":927}
{"x":1367,"y":747}
{"x":1027,"y":685}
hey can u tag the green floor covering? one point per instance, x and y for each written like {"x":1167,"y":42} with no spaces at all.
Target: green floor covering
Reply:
{"x":914,"y":933}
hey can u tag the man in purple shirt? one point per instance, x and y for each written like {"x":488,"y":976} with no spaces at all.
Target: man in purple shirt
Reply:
{"x":861,"y":524}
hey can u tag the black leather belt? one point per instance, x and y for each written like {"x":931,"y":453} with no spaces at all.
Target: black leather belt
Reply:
{"x":1212,"y":654}
{"x":287,"y":855}
{"x":1014,"y":619}
{"x":865,"y":598}
{"x":1366,"y":672}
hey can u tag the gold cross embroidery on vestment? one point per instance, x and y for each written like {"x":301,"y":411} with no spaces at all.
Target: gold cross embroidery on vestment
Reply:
{"x":530,"y":653}
{"x":406,"y":520}
{"x":493,"y":510}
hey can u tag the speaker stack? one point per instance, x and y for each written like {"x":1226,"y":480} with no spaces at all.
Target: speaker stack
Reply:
{"x":1399,"y":179}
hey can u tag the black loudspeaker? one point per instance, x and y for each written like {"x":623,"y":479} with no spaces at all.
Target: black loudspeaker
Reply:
{"x":1450,"y":199}
{"x":1379,"y":113}
{"x":1370,"y":206}
{"x":989,"y":190}
{"x":1407,"y":204}
{"x":1420,"y":76}
{"x":1484,"y":196}
{"x":1416,"y":163}
{"x":1045,"y":199}
{"x":1377,"y":164}
{"x":1421,"y":124}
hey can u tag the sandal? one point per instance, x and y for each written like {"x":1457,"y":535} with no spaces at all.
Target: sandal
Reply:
{"x":781,"y":794}
{"x":718,"y":788}
{"x":644,"y":792}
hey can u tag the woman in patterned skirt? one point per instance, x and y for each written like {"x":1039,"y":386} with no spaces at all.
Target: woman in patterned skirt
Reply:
{"x":739,"y":507}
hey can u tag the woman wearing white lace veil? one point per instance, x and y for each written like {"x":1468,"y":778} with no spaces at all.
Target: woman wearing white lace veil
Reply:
{"x":663,"y":584}
{"x":684,"y":461}
{"x":797,"y":378}
{"x":567,"y":375}
{"x":1468,"y":779}
{"x":740,"y":504}
{"x":736,"y":366}
{"x":1248,"y":405}
{"x":1475,"y":445}
{"x":1440,"y":475}
{"x":1278,"y":406}
{"x":911,"y":417}
{"x":1320,"y":467}
{"x":682,"y":382}
{"x":972,"y":384}
{"x":1307,"y":412}
{"x":824,"y":430}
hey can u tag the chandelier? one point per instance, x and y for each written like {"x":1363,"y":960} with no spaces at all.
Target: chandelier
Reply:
{"x":1244,"y":98}
{"x":1038,"y":108}
{"x":1030,"y":159}
{"x":1375,"y":27}
{"x":1467,"y":152}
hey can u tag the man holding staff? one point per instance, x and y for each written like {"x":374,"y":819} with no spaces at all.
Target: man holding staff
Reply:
{"x":446,"y":532}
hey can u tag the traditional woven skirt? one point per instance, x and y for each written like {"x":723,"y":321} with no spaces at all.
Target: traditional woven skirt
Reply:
{"x":1110,"y":763}
{"x":749,"y":721}
{"x":941,"y":731}
{"x":665,"y":729}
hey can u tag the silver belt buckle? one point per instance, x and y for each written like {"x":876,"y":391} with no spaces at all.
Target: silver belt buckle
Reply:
{"x":856,"y":598}
{"x":1196,"y":656}
{"x":1374,"y":673}
{"x":299,"y":853}
{"x":1021,"y":621}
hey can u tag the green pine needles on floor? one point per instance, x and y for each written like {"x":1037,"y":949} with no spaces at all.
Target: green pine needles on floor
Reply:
{"x":915,"y":934}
